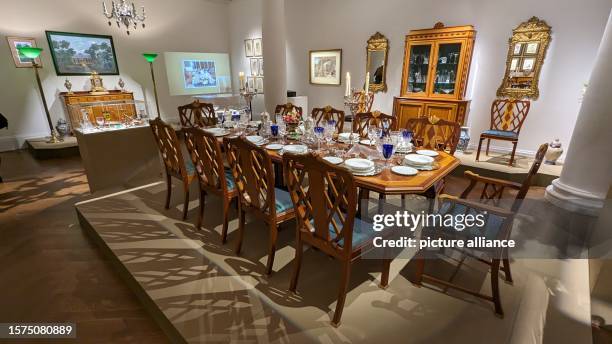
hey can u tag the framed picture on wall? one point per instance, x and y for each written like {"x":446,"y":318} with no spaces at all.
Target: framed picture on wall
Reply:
{"x":257,"y":48}
{"x":259,"y":84}
{"x":248,"y":47}
{"x":250,"y":82}
{"x":82,"y":54}
{"x":532,"y":48}
{"x":514,"y":64}
{"x":260,"y":69}
{"x":528,"y":64}
{"x":254,"y":66}
{"x":517,"y":48}
{"x":325,"y":67}
{"x":20,"y":60}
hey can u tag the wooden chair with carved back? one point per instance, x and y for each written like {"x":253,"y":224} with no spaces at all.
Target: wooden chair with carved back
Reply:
{"x":325,"y":200}
{"x":498,"y":224}
{"x":283,"y":109}
{"x":435,"y":133}
{"x":363,"y":121}
{"x":507,"y":118}
{"x":197,"y":114}
{"x":174,"y":163}
{"x":325,"y":114}
{"x":254,"y":179}
{"x":207,"y":157}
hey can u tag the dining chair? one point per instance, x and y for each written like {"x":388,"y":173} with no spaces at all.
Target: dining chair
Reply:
{"x":498,"y":225}
{"x":363,"y":121}
{"x":283,"y":109}
{"x":197,"y":114}
{"x":329,"y":113}
{"x":175,"y":166}
{"x":507,"y":118}
{"x":254,"y":179}
{"x":325,"y":200}
{"x":435,"y":133}
{"x":207,"y":157}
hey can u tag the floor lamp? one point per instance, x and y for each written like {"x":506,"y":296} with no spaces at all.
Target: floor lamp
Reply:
{"x":33,"y":53}
{"x":150,"y":57}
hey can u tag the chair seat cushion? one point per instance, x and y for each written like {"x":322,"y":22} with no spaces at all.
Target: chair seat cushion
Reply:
{"x":283,"y":201}
{"x":189,"y":167}
{"x":363,"y":232}
{"x":501,"y":133}
{"x":490,"y":231}
{"x":229,"y":179}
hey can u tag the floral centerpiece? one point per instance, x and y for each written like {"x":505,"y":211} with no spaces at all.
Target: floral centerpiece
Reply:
{"x":292,"y":120}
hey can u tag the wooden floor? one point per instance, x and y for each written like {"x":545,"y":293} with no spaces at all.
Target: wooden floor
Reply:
{"x":50,"y":270}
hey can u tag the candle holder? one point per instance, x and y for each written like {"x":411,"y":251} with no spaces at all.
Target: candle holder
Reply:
{"x":359,"y":101}
{"x":248,"y":96}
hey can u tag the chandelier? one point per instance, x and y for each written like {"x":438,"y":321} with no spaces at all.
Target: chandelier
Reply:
{"x":124,"y":13}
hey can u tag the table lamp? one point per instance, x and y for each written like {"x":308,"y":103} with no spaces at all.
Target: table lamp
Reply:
{"x":33,"y":53}
{"x":150,"y":57}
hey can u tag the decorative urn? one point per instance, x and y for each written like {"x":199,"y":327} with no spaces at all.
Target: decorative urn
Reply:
{"x":553,"y":153}
{"x":464,"y":139}
{"x":62,"y":127}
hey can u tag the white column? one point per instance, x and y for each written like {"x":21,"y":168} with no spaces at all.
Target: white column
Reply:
{"x":587,"y":170}
{"x":274,"y":53}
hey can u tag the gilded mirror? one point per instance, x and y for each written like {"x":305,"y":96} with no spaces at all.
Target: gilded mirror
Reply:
{"x":376,"y":65}
{"x":526,"y":53}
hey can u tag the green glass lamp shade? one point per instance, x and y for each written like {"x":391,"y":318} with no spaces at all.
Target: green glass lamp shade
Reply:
{"x":30,"y":52}
{"x":150,"y":56}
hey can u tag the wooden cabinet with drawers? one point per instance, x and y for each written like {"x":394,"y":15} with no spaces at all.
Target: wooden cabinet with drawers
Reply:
{"x":114,"y":106}
{"x":452,"y":110}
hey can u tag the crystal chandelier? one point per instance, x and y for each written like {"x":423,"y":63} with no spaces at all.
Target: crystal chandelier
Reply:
{"x":124,"y":13}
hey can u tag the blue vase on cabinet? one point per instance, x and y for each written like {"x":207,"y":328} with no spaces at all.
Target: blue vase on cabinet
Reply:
{"x":464,"y":139}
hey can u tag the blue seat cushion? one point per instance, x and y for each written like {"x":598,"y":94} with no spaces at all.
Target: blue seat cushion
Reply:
{"x":189,"y":167}
{"x":490,"y":230}
{"x":283,"y":201}
{"x":229,"y":179}
{"x":501,"y":133}
{"x":363,"y":232}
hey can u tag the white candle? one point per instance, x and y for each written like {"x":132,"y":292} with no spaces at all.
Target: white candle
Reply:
{"x":347,"y":93}
{"x":367,"y":83}
{"x":241,"y":77}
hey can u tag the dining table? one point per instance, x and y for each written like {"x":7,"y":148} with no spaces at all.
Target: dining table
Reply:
{"x":385,"y":182}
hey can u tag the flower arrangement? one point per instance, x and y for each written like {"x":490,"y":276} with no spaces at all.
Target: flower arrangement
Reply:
{"x":292,"y":117}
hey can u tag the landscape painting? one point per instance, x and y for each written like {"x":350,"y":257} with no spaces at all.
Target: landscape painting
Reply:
{"x":82,"y":54}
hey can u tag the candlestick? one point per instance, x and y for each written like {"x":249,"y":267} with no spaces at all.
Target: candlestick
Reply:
{"x":347,"y":92}
{"x":241,"y":77}
{"x":367,"y":82}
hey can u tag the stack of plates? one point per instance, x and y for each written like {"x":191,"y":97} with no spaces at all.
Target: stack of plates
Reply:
{"x":360,"y":167}
{"x":295,"y":149}
{"x":275,"y":146}
{"x":404,"y":148}
{"x":427,"y":152}
{"x":255,"y":139}
{"x":333,"y":159}
{"x":346,"y":137}
{"x":217,"y":131}
{"x":419,"y":161}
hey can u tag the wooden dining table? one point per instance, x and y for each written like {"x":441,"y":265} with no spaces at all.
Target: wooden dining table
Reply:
{"x":388,"y":182}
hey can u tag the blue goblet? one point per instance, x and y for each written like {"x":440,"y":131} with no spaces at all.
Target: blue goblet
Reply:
{"x":387,"y":152}
{"x":319,"y":132}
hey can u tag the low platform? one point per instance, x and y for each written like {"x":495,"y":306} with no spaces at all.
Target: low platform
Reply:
{"x":199,"y":290}
{"x":40,"y":149}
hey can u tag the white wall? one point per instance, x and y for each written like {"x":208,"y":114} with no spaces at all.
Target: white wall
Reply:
{"x":577,"y":30}
{"x":188,"y":25}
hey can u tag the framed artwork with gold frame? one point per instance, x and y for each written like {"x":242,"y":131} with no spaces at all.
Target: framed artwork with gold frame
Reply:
{"x":526,"y":52}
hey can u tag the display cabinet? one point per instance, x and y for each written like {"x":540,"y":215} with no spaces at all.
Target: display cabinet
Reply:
{"x":114,"y":106}
{"x":434,"y":78}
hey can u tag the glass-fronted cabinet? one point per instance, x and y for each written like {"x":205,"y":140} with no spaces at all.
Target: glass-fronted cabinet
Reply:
{"x":420,"y":56}
{"x":446,"y":68}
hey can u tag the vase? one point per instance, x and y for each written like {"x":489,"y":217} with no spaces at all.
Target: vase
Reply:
{"x":464,"y":139}
{"x":61,"y":127}
{"x":553,"y":152}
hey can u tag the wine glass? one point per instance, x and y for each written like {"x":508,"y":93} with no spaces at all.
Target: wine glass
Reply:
{"x":274,"y":130}
{"x":387,"y":150}
{"x":330,"y":128}
{"x":319,"y":132}
{"x":374,"y":134}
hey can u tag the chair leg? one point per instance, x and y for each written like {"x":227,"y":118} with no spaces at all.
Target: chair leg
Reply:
{"x":363,"y":194}
{"x":297,"y":265}
{"x":403,"y":201}
{"x":202,"y":205}
{"x":271,"y":247}
{"x":384,"y":278}
{"x":168,"y":190}
{"x":344,"y":282}
{"x":479,"y":147}
{"x":241,"y":221}
{"x":488,"y":144}
{"x":420,"y":268}
{"x":507,"y":273}
{"x":226,"y":206}
{"x":186,"y":204}
{"x":513,"y":151}
{"x":495,"y":288}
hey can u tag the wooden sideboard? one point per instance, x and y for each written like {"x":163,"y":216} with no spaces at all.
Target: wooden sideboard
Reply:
{"x":435,"y":73}
{"x":113,"y":105}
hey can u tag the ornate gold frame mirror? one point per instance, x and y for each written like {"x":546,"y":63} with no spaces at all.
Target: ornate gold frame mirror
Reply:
{"x":376,"y":62}
{"x":526,"y":53}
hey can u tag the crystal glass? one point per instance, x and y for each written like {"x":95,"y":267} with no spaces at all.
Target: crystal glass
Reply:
{"x":274,"y":130}
{"x":374,"y":134}
{"x":387,"y":150}
{"x":330,"y":129}
{"x":319,"y":132}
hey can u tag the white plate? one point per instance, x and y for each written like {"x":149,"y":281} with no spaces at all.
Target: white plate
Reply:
{"x":217,"y":131}
{"x":275,"y":146}
{"x":359,"y":165}
{"x":404,"y":170}
{"x":333,"y":159}
{"x":255,"y":139}
{"x":418,"y":160}
{"x":295,"y":149}
{"x":366,"y":142}
{"x":427,"y":152}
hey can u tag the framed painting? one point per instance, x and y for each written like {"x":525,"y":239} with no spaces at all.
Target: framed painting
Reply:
{"x":20,"y":60}
{"x":254,"y":66}
{"x":325,"y":67}
{"x":248,"y":47}
{"x":259,"y":85}
{"x":257,"y":48}
{"x":82,"y":54}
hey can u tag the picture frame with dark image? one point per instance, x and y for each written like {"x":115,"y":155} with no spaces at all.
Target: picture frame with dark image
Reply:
{"x":82,"y":54}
